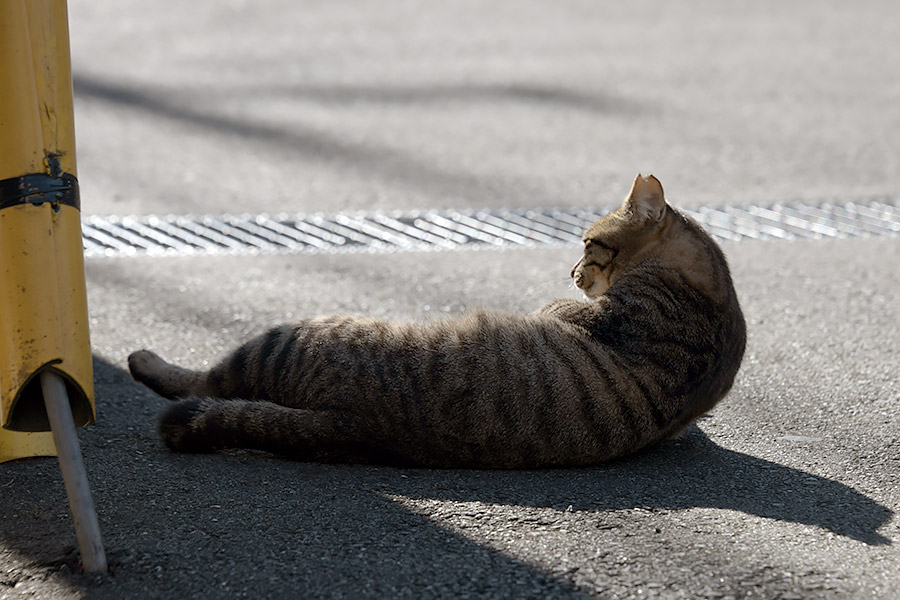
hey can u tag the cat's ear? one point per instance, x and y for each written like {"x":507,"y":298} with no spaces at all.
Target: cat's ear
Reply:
{"x":646,"y":202}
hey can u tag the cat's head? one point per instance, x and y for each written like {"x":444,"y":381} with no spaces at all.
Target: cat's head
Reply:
{"x":618,"y":240}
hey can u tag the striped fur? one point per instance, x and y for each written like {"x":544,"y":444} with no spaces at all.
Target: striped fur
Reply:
{"x":657,"y":344}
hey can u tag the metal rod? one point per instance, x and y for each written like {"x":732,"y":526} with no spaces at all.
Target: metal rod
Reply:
{"x":87,"y":530}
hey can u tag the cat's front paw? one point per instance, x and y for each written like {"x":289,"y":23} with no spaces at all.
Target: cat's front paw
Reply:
{"x":176,"y":426}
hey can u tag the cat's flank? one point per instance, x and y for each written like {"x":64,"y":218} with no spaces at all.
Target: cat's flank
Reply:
{"x":656,"y":344}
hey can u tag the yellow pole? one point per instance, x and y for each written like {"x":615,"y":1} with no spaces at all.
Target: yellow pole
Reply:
{"x":46,"y":377}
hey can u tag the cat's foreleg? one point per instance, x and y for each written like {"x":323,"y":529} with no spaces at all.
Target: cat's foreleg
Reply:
{"x":587,"y":314}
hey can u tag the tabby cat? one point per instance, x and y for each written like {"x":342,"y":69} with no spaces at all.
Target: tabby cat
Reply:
{"x":656,"y":344}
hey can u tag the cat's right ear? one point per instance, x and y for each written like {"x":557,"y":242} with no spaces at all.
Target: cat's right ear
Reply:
{"x":646,"y":202}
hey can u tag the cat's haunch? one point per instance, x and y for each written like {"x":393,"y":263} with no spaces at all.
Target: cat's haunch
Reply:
{"x":657,"y":343}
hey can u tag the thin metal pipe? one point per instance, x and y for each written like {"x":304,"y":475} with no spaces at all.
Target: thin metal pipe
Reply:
{"x":87,"y":530}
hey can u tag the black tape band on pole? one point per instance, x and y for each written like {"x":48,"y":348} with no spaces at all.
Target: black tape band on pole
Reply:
{"x":38,"y":188}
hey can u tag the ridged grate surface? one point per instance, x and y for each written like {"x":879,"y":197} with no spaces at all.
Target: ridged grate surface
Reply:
{"x":431,"y":230}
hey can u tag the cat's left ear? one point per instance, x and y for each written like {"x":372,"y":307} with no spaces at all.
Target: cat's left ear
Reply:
{"x":646,"y":201}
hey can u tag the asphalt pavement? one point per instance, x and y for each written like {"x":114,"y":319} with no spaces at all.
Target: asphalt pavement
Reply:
{"x":789,"y":489}
{"x":234,"y":106}
{"x":791,"y":486}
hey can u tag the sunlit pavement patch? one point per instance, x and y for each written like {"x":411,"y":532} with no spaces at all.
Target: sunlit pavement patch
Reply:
{"x":448,"y":229}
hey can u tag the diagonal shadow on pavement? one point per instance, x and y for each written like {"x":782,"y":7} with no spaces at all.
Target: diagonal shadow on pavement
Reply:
{"x":552,"y":96}
{"x":301,"y":141}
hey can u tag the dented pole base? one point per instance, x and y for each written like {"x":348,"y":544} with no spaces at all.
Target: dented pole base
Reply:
{"x":87,"y":530}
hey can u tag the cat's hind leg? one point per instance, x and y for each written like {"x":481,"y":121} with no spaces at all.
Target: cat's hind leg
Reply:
{"x":207,"y":425}
{"x":167,"y":380}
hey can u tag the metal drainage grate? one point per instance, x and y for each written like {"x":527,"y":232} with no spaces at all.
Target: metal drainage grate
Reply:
{"x":430,"y":230}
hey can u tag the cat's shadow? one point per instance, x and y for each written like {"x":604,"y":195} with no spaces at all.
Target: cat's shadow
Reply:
{"x":690,"y":472}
